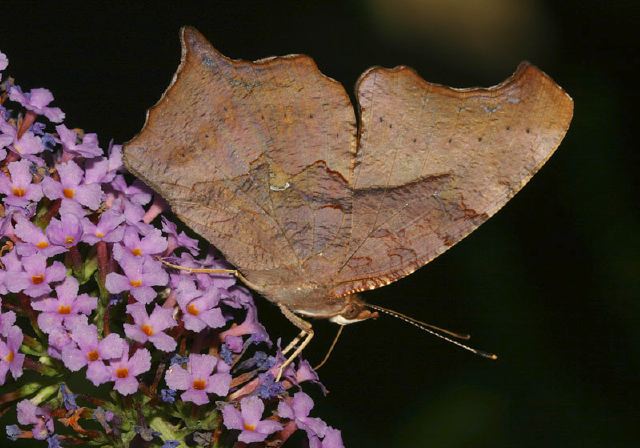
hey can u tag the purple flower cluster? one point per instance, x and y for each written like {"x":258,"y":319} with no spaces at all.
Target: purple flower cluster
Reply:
{"x":83,"y":285}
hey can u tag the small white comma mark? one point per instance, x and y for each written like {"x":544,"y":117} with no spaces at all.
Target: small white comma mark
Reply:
{"x":278,"y":188}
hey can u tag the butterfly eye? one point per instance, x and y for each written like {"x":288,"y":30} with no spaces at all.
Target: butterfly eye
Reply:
{"x":351,"y":311}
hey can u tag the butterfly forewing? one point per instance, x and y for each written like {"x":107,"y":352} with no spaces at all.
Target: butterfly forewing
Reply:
{"x":262,"y":159}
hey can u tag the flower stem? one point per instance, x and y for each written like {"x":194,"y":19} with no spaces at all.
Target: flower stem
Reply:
{"x":75,"y":259}
{"x":103,"y":261}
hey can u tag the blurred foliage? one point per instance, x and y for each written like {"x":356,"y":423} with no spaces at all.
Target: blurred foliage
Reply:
{"x":550,"y":283}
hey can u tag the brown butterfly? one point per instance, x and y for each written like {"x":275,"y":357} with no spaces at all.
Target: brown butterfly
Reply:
{"x":314,"y":203}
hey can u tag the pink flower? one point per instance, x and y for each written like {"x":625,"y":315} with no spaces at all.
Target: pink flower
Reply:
{"x":198,"y":380}
{"x":10,"y":358}
{"x":103,"y":170}
{"x":297,"y":409}
{"x":18,"y":188}
{"x":141,"y":273}
{"x":199,"y":309}
{"x":35,"y":240}
{"x":71,"y":186}
{"x":137,"y":192}
{"x":27,"y":145}
{"x":125,"y":370}
{"x":88,"y":148}
{"x":92,"y":352}
{"x":37,"y":101}
{"x":4,"y":62}
{"x":6,"y":320}
{"x":36,"y":277}
{"x":150,"y":328}
{"x":251,"y":326}
{"x":332,"y":439}
{"x":301,"y":373}
{"x":65,"y":231}
{"x":178,"y":240}
{"x":60,"y":337}
{"x":248,"y":420}
{"x":107,"y":229}
{"x":151,"y":244}
{"x":55,"y":312}
{"x":40,"y":418}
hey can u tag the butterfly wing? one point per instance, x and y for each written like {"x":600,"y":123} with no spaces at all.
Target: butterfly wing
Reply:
{"x":254,"y":156}
{"x":261,"y":159}
{"x":433,"y":163}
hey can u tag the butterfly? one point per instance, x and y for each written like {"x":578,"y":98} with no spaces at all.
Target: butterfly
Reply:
{"x":314,"y":202}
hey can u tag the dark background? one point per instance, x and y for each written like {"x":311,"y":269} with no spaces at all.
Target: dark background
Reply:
{"x":550,"y":283}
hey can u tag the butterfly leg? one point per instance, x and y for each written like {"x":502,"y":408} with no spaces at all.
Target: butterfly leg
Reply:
{"x":294,"y":342}
{"x":306,"y":334}
{"x":233,"y":272}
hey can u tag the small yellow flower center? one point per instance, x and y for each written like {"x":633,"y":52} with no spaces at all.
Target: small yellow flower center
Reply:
{"x":93,"y":355}
{"x":10,"y":356}
{"x":99,"y":234}
{"x":42,"y":244}
{"x":193,"y":310}
{"x":69,"y":240}
{"x":122,"y":372}
{"x":135,"y":283}
{"x":17,"y":191}
{"x":69,"y":193}
{"x":137,"y":251}
{"x":64,"y":309}
{"x":147,"y":329}
{"x":37,"y":279}
{"x":248,"y":427}
{"x":199,"y":384}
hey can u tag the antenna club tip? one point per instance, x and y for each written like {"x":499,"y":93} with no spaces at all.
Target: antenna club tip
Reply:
{"x":493,"y":357}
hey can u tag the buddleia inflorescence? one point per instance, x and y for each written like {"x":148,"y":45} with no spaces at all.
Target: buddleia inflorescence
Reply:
{"x":101,"y":344}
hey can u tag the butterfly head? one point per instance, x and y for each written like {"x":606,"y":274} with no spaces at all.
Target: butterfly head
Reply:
{"x":354,"y":310}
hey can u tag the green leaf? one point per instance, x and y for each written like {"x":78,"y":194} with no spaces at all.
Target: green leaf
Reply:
{"x":167,"y":430}
{"x":45,"y":393}
{"x":24,"y":391}
{"x":30,"y":351}
{"x":89,"y":267}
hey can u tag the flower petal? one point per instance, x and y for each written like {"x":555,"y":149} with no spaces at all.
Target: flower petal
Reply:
{"x":140,"y":362}
{"x":196,"y":396}
{"x":85,"y":304}
{"x":162,"y":318}
{"x":252,"y":409}
{"x":144,"y":294}
{"x":268,"y":427}
{"x":177,"y":378}
{"x":302,"y":404}
{"x":112,"y":346}
{"x":219,"y":384}
{"x":126,"y":386}
{"x":68,"y":290}
{"x":231,"y":417}
{"x":73,"y":358}
{"x":98,"y":373}
{"x":163,"y":342}
{"x":251,"y":436}
{"x":201,"y":366}
{"x":89,"y":195}
{"x":116,"y":283}
{"x":134,"y":332}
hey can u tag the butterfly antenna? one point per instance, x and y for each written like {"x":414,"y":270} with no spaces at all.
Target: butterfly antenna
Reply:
{"x":435,"y":331}
{"x":333,"y":345}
